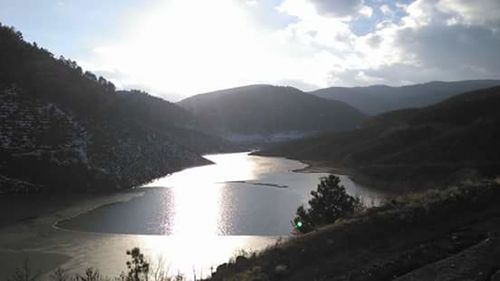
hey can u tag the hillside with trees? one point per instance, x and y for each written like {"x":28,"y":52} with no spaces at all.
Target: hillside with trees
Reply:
{"x":64,"y":128}
{"x":264,"y":113}
{"x":381,"y":98}
{"x":454,"y":139}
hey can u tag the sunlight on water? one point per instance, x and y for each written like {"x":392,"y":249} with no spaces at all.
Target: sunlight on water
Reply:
{"x":224,"y":199}
{"x":200,"y":217}
{"x":229,"y":167}
{"x":214,"y":199}
{"x":198,"y":254}
{"x":197,"y":193}
{"x":197,"y":210}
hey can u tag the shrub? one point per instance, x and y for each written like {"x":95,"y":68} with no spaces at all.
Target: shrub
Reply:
{"x":138,"y":269}
{"x":138,"y":266}
{"x":90,"y":275}
{"x":328,"y":203}
{"x":24,"y":273}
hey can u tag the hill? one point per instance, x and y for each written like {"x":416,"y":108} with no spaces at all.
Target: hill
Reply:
{"x":263,"y":113}
{"x":447,"y":234}
{"x":182,"y":126}
{"x":455,"y":139}
{"x":65,"y":129}
{"x":380,"y":98}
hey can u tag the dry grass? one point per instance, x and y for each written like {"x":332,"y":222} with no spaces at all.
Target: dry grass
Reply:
{"x":404,"y":234}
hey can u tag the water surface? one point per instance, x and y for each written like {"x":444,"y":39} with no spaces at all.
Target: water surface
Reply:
{"x":194,"y":219}
{"x":239,"y":195}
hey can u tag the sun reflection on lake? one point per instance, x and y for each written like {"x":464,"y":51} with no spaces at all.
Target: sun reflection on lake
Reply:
{"x":197,"y":194}
{"x":197,"y":223}
{"x":198,"y":255}
{"x":230,"y":167}
{"x":197,"y":211}
{"x":199,"y":217}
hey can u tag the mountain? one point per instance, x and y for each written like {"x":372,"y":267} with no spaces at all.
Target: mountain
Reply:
{"x":379,"y":98}
{"x":65,"y":129}
{"x":183,"y":127}
{"x":264,"y":113}
{"x":456,"y":138}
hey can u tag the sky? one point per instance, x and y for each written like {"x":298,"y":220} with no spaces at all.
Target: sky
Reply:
{"x":177,"y":48}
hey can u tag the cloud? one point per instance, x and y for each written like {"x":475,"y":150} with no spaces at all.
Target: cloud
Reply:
{"x":445,"y":40}
{"x":338,"y":8}
{"x":386,"y":10}
{"x":478,"y":12}
{"x":455,"y":46}
{"x":430,"y":40}
{"x":408,"y":43}
{"x":366,"y":11}
{"x":186,"y":51}
{"x":251,"y":2}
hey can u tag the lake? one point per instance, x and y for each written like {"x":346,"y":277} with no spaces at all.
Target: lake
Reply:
{"x":191,"y":220}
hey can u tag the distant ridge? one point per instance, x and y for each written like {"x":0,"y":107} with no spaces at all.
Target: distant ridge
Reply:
{"x":261,"y":113}
{"x":457,"y":138}
{"x":380,"y":98}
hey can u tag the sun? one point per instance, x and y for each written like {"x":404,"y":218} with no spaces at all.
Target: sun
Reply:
{"x":188,"y":46}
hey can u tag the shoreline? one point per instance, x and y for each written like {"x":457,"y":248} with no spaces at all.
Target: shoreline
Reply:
{"x":30,"y":208}
{"x":35,"y":230}
{"x":391,"y":179}
{"x":393,"y":188}
{"x":32,"y":219}
{"x":321,"y":167}
{"x":19,"y":208}
{"x":426,"y":237}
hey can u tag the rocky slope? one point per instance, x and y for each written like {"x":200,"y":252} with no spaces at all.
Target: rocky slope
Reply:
{"x":65,"y":129}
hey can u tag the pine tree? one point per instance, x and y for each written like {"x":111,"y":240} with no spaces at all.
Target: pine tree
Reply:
{"x":328,"y":203}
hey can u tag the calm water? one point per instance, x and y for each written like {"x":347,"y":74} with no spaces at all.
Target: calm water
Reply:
{"x":239,"y":195}
{"x":193,"y":219}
